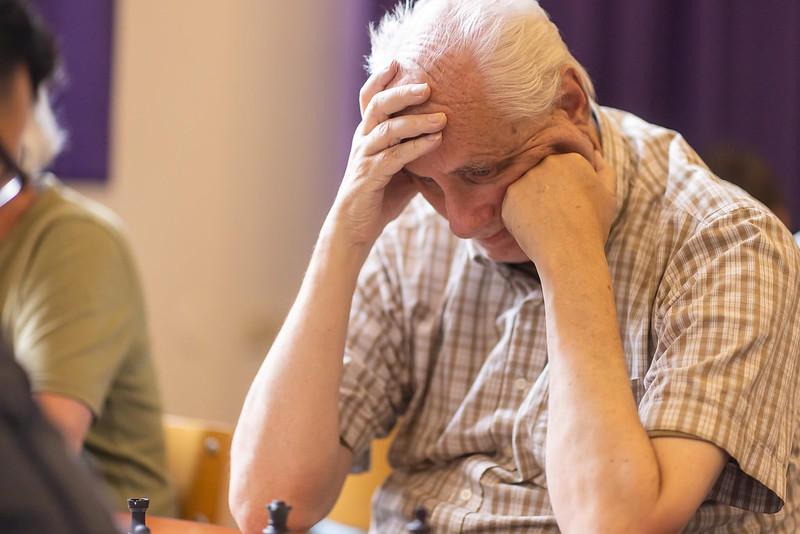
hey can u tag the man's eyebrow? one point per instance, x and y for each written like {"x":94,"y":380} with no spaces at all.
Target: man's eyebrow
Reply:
{"x":485,"y":164}
{"x":471,"y":166}
{"x":413,"y":175}
{"x":468,"y":167}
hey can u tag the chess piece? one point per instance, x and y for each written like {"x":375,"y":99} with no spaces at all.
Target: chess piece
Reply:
{"x":420,"y":523}
{"x":138,"y":508}
{"x":278,"y":513}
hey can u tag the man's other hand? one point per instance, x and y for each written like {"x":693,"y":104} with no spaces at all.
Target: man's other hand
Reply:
{"x":561,"y":206}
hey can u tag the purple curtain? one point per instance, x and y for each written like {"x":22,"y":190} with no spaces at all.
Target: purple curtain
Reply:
{"x":360,"y":13}
{"x":84,"y":33}
{"x":719,"y":72}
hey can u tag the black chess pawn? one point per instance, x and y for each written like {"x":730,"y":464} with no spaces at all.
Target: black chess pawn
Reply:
{"x":138,"y":508}
{"x":278,"y":513}
{"x":420,"y":522}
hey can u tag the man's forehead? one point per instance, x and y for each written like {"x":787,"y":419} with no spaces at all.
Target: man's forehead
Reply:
{"x":475,"y":131}
{"x":455,"y":83}
{"x":454,"y":77}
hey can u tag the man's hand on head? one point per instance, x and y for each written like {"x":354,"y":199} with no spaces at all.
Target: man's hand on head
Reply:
{"x":373,"y":190}
{"x":560,"y":207}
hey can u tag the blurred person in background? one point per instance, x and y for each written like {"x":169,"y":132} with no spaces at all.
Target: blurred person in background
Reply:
{"x":751,"y":172}
{"x":42,"y":489}
{"x":71,"y":305}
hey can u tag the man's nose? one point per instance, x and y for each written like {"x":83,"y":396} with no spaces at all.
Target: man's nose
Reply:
{"x":467,"y":214}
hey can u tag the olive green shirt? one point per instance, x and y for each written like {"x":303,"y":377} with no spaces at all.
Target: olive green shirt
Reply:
{"x":73,"y":309}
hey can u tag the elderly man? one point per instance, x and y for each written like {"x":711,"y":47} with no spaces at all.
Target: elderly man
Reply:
{"x":581,"y":327}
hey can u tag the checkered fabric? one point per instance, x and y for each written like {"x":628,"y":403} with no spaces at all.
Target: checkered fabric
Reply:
{"x":706,"y":283}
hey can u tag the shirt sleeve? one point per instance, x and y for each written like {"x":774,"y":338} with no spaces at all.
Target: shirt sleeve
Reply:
{"x":726,"y":352}
{"x":77,"y":302}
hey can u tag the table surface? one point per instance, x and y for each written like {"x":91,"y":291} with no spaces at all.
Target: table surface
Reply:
{"x":159,"y":525}
{"x":164,"y":525}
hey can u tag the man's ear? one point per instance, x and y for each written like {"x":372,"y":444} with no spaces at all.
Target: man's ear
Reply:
{"x":573,"y":98}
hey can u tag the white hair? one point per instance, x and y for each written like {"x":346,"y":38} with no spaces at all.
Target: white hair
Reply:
{"x":518,"y":51}
{"x":42,"y":138}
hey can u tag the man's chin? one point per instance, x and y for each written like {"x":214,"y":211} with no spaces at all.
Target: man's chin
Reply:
{"x":508,"y":253}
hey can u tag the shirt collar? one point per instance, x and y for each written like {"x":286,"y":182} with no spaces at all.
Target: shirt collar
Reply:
{"x":617,"y":154}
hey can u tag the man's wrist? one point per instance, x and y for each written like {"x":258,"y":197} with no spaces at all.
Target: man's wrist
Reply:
{"x":335,"y":250}
{"x":572,"y":261}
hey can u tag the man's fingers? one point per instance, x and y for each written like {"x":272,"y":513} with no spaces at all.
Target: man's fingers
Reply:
{"x":386,"y":103}
{"x":375,"y":84}
{"x":393,"y":159}
{"x":598,"y":162}
{"x":393,"y":131}
{"x":605,"y":172}
{"x":401,"y":140}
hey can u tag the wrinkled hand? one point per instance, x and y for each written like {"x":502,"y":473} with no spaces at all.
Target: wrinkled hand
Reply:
{"x":561,"y":207}
{"x":373,"y":191}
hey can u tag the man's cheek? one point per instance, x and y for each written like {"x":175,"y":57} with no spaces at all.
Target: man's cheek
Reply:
{"x":526,"y":166}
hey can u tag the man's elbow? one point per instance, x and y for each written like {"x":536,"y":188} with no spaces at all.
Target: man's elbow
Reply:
{"x":311,"y":488}
{"x":604,"y":521}
{"x":239,"y":505}
{"x":249,"y":509}
{"x":252,"y":517}
{"x":248,"y":517}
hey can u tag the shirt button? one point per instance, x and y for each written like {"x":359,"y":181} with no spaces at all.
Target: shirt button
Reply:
{"x":465,"y":495}
{"x":520,"y":383}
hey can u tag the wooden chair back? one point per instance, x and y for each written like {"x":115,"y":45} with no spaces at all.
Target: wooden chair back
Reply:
{"x":198,"y":461}
{"x":353,"y":508}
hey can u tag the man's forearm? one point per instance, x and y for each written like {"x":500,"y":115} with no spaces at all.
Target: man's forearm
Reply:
{"x":604,"y":472}
{"x":601,"y":467}
{"x":286,"y":444}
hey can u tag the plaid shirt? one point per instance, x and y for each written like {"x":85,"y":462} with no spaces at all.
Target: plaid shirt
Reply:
{"x":706,"y":286}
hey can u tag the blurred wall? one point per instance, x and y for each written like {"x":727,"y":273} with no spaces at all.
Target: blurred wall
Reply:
{"x":225,"y":156}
